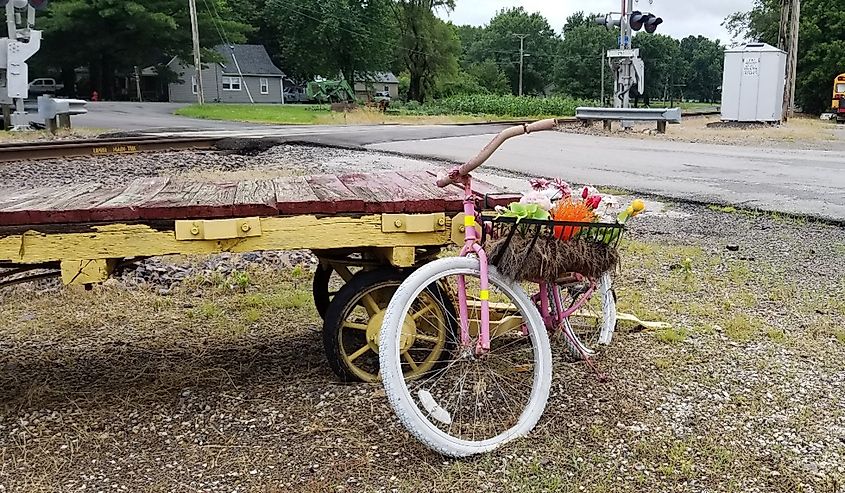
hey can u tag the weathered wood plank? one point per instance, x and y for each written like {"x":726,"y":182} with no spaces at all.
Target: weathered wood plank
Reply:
{"x":294,"y":195}
{"x":481,"y":189}
{"x":50,"y":206}
{"x":334,"y":195}
{"x":139,"y":191}
{"x":390,"y":193}
{"x":451,"y":198}
{"x":186,"y":199}
{"x":255,"y":198}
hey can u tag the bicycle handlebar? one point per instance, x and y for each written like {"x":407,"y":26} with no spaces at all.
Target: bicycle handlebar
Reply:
{"x":526,"y":128}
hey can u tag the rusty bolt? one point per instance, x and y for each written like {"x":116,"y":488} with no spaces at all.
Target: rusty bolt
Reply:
{"x":195,"y":230}
{"x":441,"y":222}
{"x":397,"y":223}
{"x":245,"y":227}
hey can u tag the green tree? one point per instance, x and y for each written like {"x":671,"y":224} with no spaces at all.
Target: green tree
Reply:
{"x":490,"y":77}
{"x":580,"y":55}
{"x":110,"y":37}
{"x":821,"y":51}
{"x":329,"y":37}
{"x":661,"y":56}
{"x":498,"y":43}
{"x":701,"y":66}
{"x":427,"y":46}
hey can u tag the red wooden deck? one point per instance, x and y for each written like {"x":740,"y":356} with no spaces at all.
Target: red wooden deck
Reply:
{"x":163,"y":198}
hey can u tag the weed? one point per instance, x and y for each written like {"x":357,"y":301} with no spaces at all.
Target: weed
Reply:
{"x":207,"y":310}
{"x":671,"y":335}
{"x":839,"y":334}
{"x":775,"y":334}
{"x":240,"y":279}
{"x":281,"y":299}
{"x":662,"y":363}
{"x":738,"y":272}
{"x":298,"y":272}
{"x":719,"y":208}
{"x":252,"y":315}
{"x":740,"y":327}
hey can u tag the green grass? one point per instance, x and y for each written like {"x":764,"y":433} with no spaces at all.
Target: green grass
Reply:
{"x":671,"y":335}
{"x":317,"y":114}
{"x":719,"y":208}
{"x":265,"y":113}
{"x":741,"y":327}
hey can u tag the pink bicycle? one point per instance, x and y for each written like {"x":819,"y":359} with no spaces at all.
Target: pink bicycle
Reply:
{"x":493,"y":381}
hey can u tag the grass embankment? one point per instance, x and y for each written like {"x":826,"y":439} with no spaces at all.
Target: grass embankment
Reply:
{"x":458,"y":109}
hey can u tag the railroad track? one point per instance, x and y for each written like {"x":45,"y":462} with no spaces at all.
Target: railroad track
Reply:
{"x":100,"y":147}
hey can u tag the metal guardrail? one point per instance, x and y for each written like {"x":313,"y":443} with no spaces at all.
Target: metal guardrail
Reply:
{"x":669,"y":115}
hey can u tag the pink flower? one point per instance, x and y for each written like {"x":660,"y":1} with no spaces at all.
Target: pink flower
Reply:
{"x":594,"y":201}
{"x":539,"y":184}
{"x":562,"y":187}
{"x":585,"y":193}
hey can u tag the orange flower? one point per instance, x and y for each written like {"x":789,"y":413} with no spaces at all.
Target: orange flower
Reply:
{"x":567,"y":210}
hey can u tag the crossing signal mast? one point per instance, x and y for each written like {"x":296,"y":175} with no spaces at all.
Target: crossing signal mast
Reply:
{"x":22,"y":41}
{"x":625,"y":63}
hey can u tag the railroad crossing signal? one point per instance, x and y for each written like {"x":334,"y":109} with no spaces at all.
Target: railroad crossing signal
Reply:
{"x":638,"y":20}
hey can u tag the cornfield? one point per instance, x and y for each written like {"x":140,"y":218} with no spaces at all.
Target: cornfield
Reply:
{"x":517,"y":106}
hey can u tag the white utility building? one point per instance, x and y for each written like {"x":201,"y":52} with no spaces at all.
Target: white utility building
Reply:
{"x":753,"y":83}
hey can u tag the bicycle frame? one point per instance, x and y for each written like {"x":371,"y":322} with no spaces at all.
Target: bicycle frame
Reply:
{"x":472,"y":246}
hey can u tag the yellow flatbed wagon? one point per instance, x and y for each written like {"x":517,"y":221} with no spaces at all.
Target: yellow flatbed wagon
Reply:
{"x":370,"y":230}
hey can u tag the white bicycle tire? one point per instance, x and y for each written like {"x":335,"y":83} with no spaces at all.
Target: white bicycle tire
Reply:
{"x":394,"y":384}
{"x":576,"y":348}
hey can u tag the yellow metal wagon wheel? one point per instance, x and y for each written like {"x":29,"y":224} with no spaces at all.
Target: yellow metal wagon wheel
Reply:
{"x":353,"y":322}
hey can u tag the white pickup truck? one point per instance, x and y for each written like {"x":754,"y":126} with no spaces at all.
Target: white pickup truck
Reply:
{"x":44,"y":86}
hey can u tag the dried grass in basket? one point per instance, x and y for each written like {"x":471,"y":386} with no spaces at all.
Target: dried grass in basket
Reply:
{"x":546,"y":258}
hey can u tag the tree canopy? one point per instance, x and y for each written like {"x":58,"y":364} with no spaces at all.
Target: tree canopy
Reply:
{"x":433,"y":58}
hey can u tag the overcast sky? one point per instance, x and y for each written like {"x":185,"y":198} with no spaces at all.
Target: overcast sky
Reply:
{"x":682,"y":17}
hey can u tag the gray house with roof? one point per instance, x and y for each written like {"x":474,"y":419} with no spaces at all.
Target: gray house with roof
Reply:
{"x":369,"y":83}
{"x":246,"y":74}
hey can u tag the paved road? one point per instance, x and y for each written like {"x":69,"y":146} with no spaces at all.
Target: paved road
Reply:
{"x":794,"y":181}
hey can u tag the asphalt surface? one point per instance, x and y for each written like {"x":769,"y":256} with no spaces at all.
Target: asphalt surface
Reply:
{"x":810,"y":182}
{"x":128,"y":116}
{"x":794,"y":181}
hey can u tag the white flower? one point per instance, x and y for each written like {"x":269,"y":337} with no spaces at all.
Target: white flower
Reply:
{"x":538,"y":198}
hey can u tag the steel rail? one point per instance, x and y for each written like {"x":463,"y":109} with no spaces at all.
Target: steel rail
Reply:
{"x":22,"y":151}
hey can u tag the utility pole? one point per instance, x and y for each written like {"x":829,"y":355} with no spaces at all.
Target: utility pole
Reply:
{"x":521,"y":57}
{"x":790,"y":18}
{"x":195,"y":36}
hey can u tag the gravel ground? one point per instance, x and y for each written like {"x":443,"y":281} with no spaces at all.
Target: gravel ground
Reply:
{"x":200,"y":165}
{"x":172,"y":378}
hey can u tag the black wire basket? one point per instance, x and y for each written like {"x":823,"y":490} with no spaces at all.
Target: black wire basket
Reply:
{"x":546,"y":250}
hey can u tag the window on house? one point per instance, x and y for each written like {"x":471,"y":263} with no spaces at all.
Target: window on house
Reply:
{"x":194,"y":88}
{"x":386,"y":89}
{"x":265,"y":86}
{"x":231,"y":83}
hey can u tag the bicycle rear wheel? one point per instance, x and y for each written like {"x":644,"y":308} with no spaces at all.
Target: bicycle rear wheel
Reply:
{"x":593,"y":325}
{"x":475,"y":402}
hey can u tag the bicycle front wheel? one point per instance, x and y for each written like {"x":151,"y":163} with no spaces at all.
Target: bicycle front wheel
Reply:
{"x":475,"y":401}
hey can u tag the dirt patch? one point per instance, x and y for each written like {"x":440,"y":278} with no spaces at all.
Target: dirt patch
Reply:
{"x":798,"y":133}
